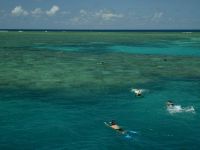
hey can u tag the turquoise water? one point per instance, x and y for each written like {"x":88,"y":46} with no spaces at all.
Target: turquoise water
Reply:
{"x":173,"y":50}
{"x":55,"y":97}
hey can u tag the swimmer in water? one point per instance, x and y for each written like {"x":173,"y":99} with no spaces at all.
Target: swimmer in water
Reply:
{"x":172,"y":108}
{"x":138,"y":92}
{"x":116,"y":127}
{"x":127,"y":133}
{"x":170,"y":104}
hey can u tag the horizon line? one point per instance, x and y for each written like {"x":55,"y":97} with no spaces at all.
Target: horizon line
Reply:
{"x":21,"y":29}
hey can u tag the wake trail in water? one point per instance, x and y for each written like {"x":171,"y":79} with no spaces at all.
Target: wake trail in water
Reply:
{"x":180,"y":109}
{"x":130,"y":134}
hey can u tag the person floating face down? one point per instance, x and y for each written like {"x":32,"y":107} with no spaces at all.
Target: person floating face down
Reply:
{"x":138,"y":92}
{"x":169,"y":104}
{"x":116,"y":127}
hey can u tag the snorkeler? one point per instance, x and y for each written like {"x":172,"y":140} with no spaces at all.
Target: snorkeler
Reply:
{"x":172,"y":108}
{"x":112,"y":124}
{"x":170,"y":104}
{"x":128,"y":134}
{"x":138,"y":92}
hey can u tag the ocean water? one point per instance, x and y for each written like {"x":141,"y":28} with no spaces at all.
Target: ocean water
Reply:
{"x":58,"y":88}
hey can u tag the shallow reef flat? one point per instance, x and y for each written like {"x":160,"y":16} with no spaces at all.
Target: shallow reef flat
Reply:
{"x":71,"y":70}
{"x":28,"y":62}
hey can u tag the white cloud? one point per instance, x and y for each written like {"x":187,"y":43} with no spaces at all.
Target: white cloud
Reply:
{"x":37,"y":12}
{"x":83,"y":12}
{"x":108,"y":15}
{"x":157,"y":16}
{"x":97,"y":17}
{"x":83,"y":17}
{"x":19,"y":11}
{"x":79,"y":20}
{"x":53,"y":10}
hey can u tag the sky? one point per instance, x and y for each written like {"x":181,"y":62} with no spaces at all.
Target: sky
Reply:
{"x":99,"y":14}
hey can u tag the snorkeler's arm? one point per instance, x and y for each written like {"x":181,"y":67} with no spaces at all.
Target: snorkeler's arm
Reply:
{"x":107,"y":124}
